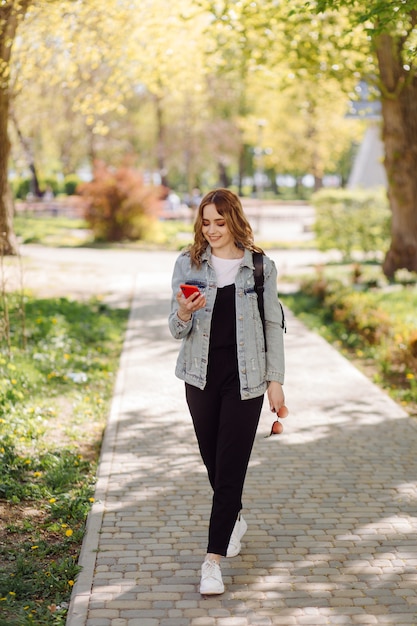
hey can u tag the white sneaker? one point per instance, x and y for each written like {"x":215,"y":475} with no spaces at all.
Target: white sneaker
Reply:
{"x":239,"y":530}
{"x":211,"y":579}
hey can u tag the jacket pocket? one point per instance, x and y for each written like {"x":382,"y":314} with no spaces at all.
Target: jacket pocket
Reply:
{"x":251,"y":303}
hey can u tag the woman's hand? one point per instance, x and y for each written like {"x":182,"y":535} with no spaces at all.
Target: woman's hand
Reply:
{"x":188,"y":306}
{"x":277,"y":405}
{"x":275,"y":396}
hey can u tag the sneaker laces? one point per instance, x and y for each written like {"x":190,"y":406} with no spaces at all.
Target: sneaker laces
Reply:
{"x":210,"y":568}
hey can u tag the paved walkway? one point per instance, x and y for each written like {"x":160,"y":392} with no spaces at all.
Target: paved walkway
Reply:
{"x":331,"y":503}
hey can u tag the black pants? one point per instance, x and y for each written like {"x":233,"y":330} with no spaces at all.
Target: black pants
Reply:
{"x":225,"y":427}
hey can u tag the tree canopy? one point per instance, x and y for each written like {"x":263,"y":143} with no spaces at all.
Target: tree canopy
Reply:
{"x":191,"y":78}
{"x":391,"y":29}
{"x":196,"y":89}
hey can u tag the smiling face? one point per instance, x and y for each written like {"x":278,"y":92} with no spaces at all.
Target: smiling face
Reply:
{"x":217,"y":233}
{"x":221,"y":222}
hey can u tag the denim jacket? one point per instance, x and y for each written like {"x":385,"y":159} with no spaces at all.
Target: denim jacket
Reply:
{"x":256,"y":366}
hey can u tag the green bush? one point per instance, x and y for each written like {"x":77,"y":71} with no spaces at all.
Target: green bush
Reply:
{"x":50,"y":184}
{"x":353,"y":310}
{"x":21,"y":188}
{"x":71,"y":183}
{"x":352,"y":221}
{"x":360,"y":317}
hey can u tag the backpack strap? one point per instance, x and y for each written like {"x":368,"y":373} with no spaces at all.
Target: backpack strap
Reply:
{"x":259,"y":286}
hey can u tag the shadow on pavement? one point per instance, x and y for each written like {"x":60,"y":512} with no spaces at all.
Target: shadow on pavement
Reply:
{"x":331,"y":504}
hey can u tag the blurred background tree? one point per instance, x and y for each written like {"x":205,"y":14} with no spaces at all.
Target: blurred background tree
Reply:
{"x":207,"y":92}
{"x":178,"y":85}
{"x":11,"y":14}
{"x":391,"y":29}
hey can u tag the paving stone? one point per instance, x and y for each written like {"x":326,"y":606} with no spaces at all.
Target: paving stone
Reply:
{"x":142,"y":621}
{"x":103,"y":613}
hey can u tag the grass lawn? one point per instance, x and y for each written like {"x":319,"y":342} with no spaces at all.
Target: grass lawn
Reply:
{"x":69,"y":232}
{"x":58,"y":360}
{"x":51,"y":231}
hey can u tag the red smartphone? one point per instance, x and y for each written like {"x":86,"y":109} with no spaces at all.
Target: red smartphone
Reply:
{"x":187,"y":290}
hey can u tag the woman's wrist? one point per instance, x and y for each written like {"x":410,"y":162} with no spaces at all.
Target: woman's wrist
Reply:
{"x":182,"y":319}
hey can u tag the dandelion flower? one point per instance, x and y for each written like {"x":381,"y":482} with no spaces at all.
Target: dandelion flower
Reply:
{"x":68,"y":532}
{"x":71,"y":583}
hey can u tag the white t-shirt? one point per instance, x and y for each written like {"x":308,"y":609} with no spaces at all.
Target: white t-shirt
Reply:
{"x":226,"y":270}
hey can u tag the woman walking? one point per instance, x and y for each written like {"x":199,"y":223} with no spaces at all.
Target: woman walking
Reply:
{"x":227,"y":360}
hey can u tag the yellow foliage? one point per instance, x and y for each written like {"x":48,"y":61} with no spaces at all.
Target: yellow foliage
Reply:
{"x":191,"y":83}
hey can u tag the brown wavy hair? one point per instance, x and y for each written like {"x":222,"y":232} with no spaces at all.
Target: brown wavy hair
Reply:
{"x":228,"y":206}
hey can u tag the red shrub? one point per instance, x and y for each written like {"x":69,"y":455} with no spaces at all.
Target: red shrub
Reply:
{"x":119,"y":206}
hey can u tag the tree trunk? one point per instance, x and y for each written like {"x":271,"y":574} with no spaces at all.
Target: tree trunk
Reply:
{"x":8,"y":243}
{"x":399,"y":111}
{"x":10,"y":14}
{"x":30,"y":159}
{"x":160,"y":150}
{"x":242,"y":165}
{"x":222,"y":174}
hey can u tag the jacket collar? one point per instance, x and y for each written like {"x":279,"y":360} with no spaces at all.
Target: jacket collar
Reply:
{"x":246,"y":261}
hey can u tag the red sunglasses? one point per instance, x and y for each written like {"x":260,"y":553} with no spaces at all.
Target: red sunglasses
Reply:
{"x":277,"y":427}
